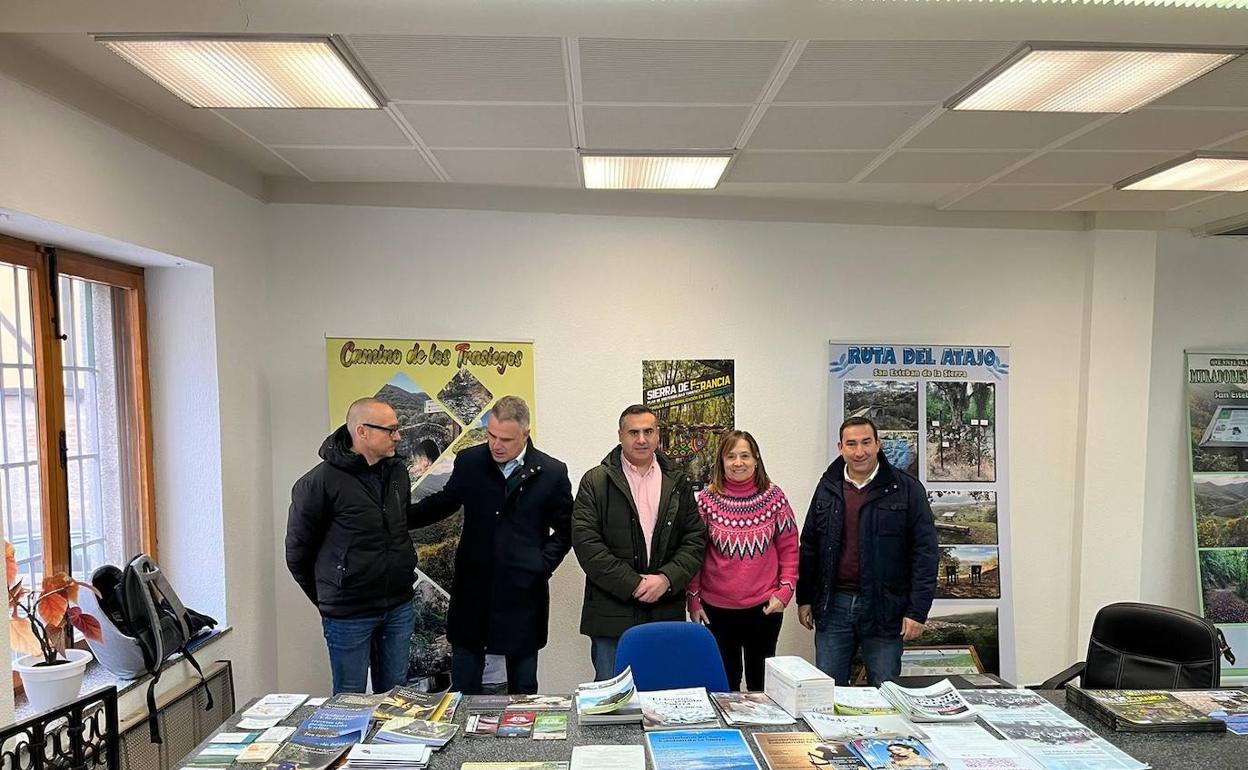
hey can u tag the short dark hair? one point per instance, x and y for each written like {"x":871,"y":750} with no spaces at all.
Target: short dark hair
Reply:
{"x":852,"y":421}
{"x":636,"y":409}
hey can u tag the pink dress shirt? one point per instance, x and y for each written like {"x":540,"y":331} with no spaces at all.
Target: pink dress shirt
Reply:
{"x":645,"y":488}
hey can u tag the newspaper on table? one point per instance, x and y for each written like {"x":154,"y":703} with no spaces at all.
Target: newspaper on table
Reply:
{"x":938,"y":703}
{"x":1050,"y":736}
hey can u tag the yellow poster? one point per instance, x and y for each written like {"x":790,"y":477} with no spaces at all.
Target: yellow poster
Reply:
{"x":442,"y":391}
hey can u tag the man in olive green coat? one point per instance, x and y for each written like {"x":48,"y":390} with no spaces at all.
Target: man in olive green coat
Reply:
{"x":637,"y":535}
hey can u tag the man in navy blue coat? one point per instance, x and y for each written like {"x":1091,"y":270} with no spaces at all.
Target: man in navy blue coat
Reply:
{"x":517,"y":505}
{"x":868,"y":556}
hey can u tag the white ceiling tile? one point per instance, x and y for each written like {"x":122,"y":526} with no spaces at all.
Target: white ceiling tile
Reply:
{"x":1152,"y":129}
{"x":726,"y":71}
{"x":882,"y":71}
{"x":997,"y":130}
{"x":1227,"y":86}
{"x":1138,"y":200}
{"x":800,"y":166}
{"x":513,"y":167}
{"x":1063,"y":167}
{"x":347,"y":128}
{"x":369,"y":165}
{"x":415,"y":67}
{"x":833,"y":128}
{"x":1022,"y":197}
{"x":461,"y":125}
{"x":897,"y":194}
{"x":663,"y":128}
{"x":926,"y":166}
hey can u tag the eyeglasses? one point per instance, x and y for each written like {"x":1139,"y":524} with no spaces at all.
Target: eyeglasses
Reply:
{"x":394,"y":432}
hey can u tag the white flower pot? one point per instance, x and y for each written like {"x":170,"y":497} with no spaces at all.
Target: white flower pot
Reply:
{"x":51,"y":686}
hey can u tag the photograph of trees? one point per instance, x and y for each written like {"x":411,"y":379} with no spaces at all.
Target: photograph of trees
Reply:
{"x":890,"y":404}
{"x":1224,"y":585}
{"x":961,"y":431}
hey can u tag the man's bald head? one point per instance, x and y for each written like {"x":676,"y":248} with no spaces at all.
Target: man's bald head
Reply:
{"x":366,"y":410}
{"x":374,"y":429}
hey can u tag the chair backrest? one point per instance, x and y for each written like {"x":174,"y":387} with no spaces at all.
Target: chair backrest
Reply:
{"x":1144,"y":646}
{"x":82,"y":735}
{"x":671,"y":654}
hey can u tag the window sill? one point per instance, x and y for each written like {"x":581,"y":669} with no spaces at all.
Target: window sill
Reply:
{"x":97,"y":676}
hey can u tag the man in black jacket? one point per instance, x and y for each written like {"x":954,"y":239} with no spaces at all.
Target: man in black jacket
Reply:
{"x":517,"y":505}
{"x":348,"y":548}
{"x":867,"y":564}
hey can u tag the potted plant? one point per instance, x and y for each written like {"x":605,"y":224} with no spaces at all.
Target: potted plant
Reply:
{"x":39,"y":625}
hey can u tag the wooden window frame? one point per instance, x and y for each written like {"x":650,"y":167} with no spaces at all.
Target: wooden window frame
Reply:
{"x":50,"y":394}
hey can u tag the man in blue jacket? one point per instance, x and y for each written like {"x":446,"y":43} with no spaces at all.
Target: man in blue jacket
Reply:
{"x":867,"y":566}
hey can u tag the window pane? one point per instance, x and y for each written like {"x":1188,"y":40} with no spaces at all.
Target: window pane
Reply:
{"x":19,"y":455}
{"x":103,"y":522}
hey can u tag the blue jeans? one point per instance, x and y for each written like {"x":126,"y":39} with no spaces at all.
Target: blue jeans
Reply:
{"x":839,"y":634}
{"x":380,"y":642}
{"x":602,"y":653}
{"x":467,"y":667}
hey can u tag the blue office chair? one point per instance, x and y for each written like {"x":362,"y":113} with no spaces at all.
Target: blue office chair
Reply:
{"x":671,"y":654}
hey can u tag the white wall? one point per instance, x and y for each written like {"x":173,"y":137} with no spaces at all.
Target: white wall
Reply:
{"x":598,"y":294}
{"x":1200,"y":305}
{"x":213,"y":483}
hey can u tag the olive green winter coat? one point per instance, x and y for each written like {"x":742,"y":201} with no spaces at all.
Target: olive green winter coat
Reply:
{"x":608,"y":541}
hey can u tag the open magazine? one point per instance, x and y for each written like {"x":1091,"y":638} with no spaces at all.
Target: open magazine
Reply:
{"x":937,"y":703}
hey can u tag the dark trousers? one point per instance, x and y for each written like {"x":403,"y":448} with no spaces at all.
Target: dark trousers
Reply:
{"x":744,"y":634}
{"x":468,"y":666}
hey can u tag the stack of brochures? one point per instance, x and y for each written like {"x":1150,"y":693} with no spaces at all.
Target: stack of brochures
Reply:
{"x":408,"y":702}
{"x":610,"y":701}
{"x":835,"y":727}
{"x":750,"y":708}
{"x":861,"y":702}
{"x":408,"y":730}
{"x":938,"y":703}
{"x":1144,"y":710}
{"x":371,"y":756}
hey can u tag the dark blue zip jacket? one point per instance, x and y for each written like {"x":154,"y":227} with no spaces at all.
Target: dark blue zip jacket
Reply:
{"x":897,"y":551}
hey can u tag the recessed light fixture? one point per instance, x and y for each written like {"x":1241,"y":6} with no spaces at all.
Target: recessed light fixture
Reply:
{"x":286,"y":72}
{"x":653,"y":171}
{"x":1200,"y":171}
{"x":1072,"y":77}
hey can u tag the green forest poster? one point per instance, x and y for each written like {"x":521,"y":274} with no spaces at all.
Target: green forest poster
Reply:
{"x":695,"y":402}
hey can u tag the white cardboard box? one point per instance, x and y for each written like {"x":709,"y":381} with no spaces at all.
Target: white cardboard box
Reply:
{"x":796,"y":685}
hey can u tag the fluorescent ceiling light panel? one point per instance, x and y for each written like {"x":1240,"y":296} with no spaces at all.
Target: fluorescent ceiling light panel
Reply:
{"x":653,"y":172}
{"x":1092,"y":79}
{"x":1213,"y":173}
{"x":238,"y":73}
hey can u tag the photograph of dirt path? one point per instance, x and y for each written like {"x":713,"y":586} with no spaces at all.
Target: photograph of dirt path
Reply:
{"x":1224,"y":584}
{"x":968,"y":572}
{"x":964,"y":518}
{"x":961,"y":433}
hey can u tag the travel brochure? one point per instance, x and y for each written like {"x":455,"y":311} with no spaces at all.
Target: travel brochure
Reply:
{"x":409,"y":730}
{"x":1231,"y":706}
{"x":609,"y":758}
{"x":750,"y":708}
{"x":701,"y":749}
{"x":412,"y":703}
{"x":683,"y":708}
{"x":372,"y":756}
{"x":610,"y":701}
{"x":862,"y":702}
{"x":834,"y":727}
{"x":805,"y":751}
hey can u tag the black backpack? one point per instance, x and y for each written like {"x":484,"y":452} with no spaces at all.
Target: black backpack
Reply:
{"x":142,"y":604}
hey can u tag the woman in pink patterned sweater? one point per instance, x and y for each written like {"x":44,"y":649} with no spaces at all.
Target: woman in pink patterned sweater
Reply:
{"x":750,"y":571}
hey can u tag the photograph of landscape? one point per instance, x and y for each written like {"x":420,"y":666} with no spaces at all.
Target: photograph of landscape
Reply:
{"x":1221,"y":509}
{"x":428,"y":430}
{"x":890,"y":404}
{"x":964,"y":518}
{"x":968,"y":572}
{"x":961,"y":433}
{"x":1203,"y":406}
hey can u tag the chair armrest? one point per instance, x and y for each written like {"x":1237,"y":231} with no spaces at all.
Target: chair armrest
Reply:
{"x":1058,"y":681}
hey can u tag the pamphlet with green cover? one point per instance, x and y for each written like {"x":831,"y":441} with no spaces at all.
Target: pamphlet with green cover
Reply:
{"x":1143,"y":710}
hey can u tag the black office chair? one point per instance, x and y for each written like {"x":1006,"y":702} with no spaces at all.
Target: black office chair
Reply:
{"x":81,"y":735}
{"x":1137,"y":646}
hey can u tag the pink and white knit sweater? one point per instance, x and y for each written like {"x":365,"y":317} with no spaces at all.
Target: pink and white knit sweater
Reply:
{"x":751,"y":551}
